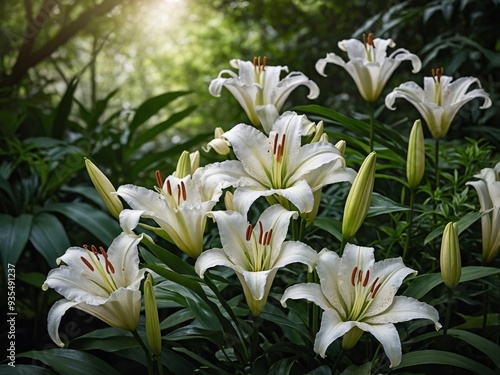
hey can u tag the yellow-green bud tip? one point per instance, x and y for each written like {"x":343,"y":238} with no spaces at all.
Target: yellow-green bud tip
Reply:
{"x":415,"y":163}
{"x":450,"y":260}
{"x":153,"y":331}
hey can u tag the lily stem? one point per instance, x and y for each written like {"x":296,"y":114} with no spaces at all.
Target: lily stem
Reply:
{"x":337,"y":361}
{"x":372,"y":121}
{"x":146,"y":351}
{"x":410,"y":224}
{"x":485,"y":312}
{"x":159,"y":366}
{"x":451,"y":294}
{"x":255,"y":337}
{"x":436,"y":173}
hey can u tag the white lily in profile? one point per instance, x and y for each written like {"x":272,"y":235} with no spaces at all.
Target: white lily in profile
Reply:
{"x":255,"y":253}
{"x":179,"y":207}
{"x":358,"y":295}
{"x":259,"y":90}
{"x":488,"y":191}
{"x":368,"y":65}
{"x":103,"y":283}
{"x":277,"y":166}
{"x":440,"y":99}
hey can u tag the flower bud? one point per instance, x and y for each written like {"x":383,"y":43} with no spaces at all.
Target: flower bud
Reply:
{"x":318,"y":134}
{"x":415,"y":163}
{"x":104,"y":188}
{"x":188,"y":163}
{"x":451,"y":264}
{"x":153,"y":331}
{"x":359,"y":198}
{"x":351,"y":338}
{"x":219,"y":144}
{"x":228,"y":201}
{"x":341,"y":145}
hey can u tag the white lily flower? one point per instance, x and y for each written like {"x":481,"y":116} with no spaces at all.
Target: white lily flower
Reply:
{"x":488,"y":190}
{"x":179,"y":207}
{"x":277,"y":166}
{"x":368,"y":65}
{"x":259,"y":90}
{"x":103,"y":284}
{"x":440,"y":99}
{"x":358,"y":295}
{"x":255,"y":254}
{"x":219,"y":144}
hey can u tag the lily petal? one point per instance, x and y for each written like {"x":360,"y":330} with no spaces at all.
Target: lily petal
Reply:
{"x":310,"y":292}
{"x":332,"y":327}
{"x":388,"y":336}
{"x":54,"y":317}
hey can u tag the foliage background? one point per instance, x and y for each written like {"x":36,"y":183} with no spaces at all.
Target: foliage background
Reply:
{"x":83,"y":95}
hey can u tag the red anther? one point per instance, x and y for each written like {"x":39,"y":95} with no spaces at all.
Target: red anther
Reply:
{"x":373,"y":285}
{"x":281,"y":148}
{"x":103,"y":252}
{"x":364,"y":39}
{"x":264,"y":63}
{"x":261,"y":233}
{"x":159,"y":179}
{"x":376,"y":290}
{"x":264,"y":242}
{"x":366,"y":278}
{"x":255,"y":62}
{"x":353,"y":275}
{"x":370,"y":40}
{"x":94,"y":250}
{"x":87,"y":263}
{"x":109,"y":266}
{"x":169,"y":188}
{"x":86,"y":247}
{"x":178,"y":194}
{"x":269,"y":236}
{"x":275,"y":143}
{"x":248,"y":234}
{"x":184,"y":194}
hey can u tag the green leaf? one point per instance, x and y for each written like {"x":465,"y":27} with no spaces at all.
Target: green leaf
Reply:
{"x":107,"y":339}
{"x":35,"y":279}
{"x":64,"y":170}
{"x":49,"y":237}
{"x":88,"y":217}
{"x":383,"y":205}
{"x":63,"y":110}
{"x":489,"y":348}
{"x":438,"y":357}
{"x":171,"y":260}
{"x":25,"y":370}
{"x":71,"y":362}
{"x":325,"y":370}
{"x":421,"y":285}
{"x":282,"y":367}
{"x":202,"y":361}
{"x":334,"y":227}
{"x":465,"y":222}
{"x":151,"y":133}
{"x":14,"y":234}
{"x":150,"y":107}
{"x":474,"y":322}
{"x":364,"y":369}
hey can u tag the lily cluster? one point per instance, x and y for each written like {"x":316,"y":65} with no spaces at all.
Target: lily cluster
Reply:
{"x":286,"y":160}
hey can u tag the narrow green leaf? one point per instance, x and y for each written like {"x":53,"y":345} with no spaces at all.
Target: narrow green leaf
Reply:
{"x":63,"y":110}
{"x":465,"y":222}
{"x":88,"y":217}
{"x":489,"y":348}
{"x":474,"y":322}
{"x":383,"y":205}
{"x":71,"y":362}
{"x":169,"y":259}
{"x":282,"y":367}
{"x":331,"y":226}
{"x":421,"y":285}
{"x":14,"y":234}
{"x":107,"y":339}
{"x":64,"y":170}
{"x":438,"y":357}
{"x":49,"y":237}
{"x":150,"y":107}
{"x":25,"y":370}
{"x":358,"y":370}
{"x":202,"y":361}
{"x":157,"y":129}
{"x":35,"y":279}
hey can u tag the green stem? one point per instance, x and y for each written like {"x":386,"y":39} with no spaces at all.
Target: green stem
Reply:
{"x":159,"y":366}
{"x":436,"y":167}
{"x":342,"y":246}
{"x":410,"y":223}
{"x":337,"y":361}
{"x":485,"y":312}
{"x":451,"y":293}
{"x":255,"y":337}
{"x":372,"y":121}
{"x":146,"y":351}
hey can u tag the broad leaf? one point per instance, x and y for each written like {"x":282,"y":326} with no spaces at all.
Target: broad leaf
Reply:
{"x":15,"y":232}
{"x":49,"y":237}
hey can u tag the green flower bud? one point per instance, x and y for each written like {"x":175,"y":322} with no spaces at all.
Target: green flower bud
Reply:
{"x":415,"y":163}
{"x":451,"y":263}
{"x":359,"y":198}
{"x":228,"y":201}
{"x":153,"y":331}
{"x":341,"y":145}
{"x":318,"y":133}
{"x":183,"y":165}
{"x":351,"y":338}
{"x":105,"y":189}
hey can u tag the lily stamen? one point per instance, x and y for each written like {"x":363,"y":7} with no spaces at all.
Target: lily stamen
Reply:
{"x":369,"y":45}
{"x":261,"y":233}
{"x":184,"y":194}
{"x":159,"y":179}
{"x":248,"y":234}
{"x":109,"y":266}
{"x":169,"y":188}
{"x":87,"y":263}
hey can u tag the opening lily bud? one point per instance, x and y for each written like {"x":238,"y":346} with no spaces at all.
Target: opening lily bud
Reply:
{"x":359,"y":198}
{"x":104,"y":188}
{"x":183,"y":165}
{"x":350,"y":339}
{"x":341,"y":145}
{"x":219,"y":144}
{"x":153,"y":331}
{"x":415,"y":162}
{"x":451,"y":263}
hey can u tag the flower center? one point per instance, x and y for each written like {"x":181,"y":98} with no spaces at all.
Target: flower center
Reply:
{"x":369,"y":47}
{"x":278,"y":166}
{"x":259,"y":68}
{"x":364,"y":292}
{"x":104,"y":271}
{"x":260,"y":258}
{"x":174,"y":198}
{"x":436,"y":76}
